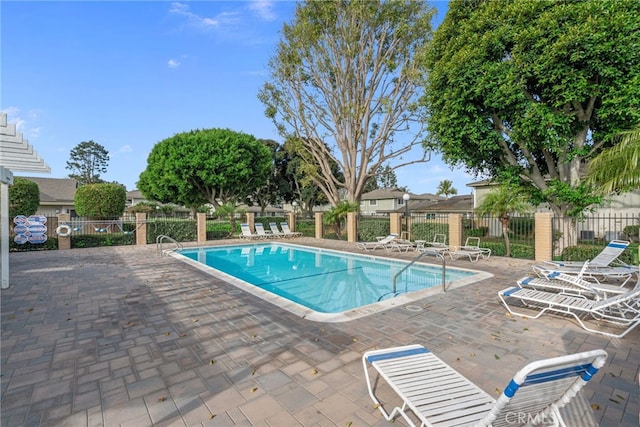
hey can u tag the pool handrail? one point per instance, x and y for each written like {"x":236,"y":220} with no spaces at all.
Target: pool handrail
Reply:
{"x":413,"y":261}
{"x":163,"y":237}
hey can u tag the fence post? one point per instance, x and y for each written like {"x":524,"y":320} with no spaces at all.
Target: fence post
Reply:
{"x":352,"y":227}
{"x":64,"y":242}
{"x":201,"y":224}
{"x":455,"y":230}
{"x":141,"y":228}
{"x":395,"y":225}
{"x":251,"y":220}
{"x":292,"y":221}
{"x":320,"y":225}
{"x":543,"y":235}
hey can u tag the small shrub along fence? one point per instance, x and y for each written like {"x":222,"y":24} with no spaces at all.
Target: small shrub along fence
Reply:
{"x":371,"y":227}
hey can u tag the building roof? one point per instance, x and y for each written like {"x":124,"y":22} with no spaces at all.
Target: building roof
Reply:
{"x":55,"y":190}
{"x":462,"y":203}
{"x":396,"y":193}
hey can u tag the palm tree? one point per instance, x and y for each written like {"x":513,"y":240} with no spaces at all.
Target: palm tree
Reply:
{"x":230,"y":210}
{"x":501,"y":203}
{"x":337,"y":215}
{"x":617,"y":169}
{"x":446,"y":188}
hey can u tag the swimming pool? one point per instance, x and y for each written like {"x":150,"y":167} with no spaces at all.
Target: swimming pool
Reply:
{"x":322,"y":284}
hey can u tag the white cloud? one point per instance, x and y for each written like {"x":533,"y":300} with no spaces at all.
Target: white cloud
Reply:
{"x":203,"y":22}
{"x":24,"y":124}
{"x":264,"y":9}
{"x":173,"y":63}
{"x":125,"y":149}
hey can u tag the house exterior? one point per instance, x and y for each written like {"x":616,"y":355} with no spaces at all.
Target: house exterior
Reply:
{"x":56,"y":195}
{"x":618,"y":204}
{"x":383,"y":201}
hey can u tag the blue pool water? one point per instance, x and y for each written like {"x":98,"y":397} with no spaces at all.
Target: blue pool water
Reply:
{"x":322,"y":280}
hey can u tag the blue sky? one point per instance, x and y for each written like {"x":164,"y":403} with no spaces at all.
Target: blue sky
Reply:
{"x":129,"y":74}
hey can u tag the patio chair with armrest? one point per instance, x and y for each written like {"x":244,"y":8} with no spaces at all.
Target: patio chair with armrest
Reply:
{"x":287,"y":231}
{"x":436,"y":394}
{"x":275,"y":231}
{"x":261,"y":232}
{"x":470,"y":249}
{"x":245,"y":232}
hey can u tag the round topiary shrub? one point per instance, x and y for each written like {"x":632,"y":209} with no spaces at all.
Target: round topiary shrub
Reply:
{"x":24,"y":197}
{"x":100,"y":200}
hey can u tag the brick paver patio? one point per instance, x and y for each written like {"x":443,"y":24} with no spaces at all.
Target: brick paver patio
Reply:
{"x":123,"y":337}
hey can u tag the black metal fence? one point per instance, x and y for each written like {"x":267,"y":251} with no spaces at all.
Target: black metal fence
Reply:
{"x":579,"y":240}
{"x":573,"y":240}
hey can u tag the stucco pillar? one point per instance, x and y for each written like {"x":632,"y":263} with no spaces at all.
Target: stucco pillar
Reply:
{"x":201,"y":221}
{"x":455,"y":230}
{"x":64,"y":242}
{"x":319,"y":225}
{"x":292,"y":221}
{"x":352,"y":227}
{"x":141,"y":228}
{"x":543,"y":236}
{"x":395,"y":223}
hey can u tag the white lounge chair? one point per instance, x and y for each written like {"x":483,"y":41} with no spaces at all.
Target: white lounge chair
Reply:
{"x":287,"y":231}
{"x":275,"y":231}
{"x":380,"y":243}
{"x":571,"y":284}
{"x":605,"y":266}
{"x":619,"y":273}
{"x":400,"y":245}
{"x":438,"y":395}
{"x":246,"y":232}
{"x":261,"y":232}
{"x":605,"y":258}
{"x":618,"y":312}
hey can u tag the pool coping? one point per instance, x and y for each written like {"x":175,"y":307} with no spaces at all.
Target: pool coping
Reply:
{"x":345,"y":316}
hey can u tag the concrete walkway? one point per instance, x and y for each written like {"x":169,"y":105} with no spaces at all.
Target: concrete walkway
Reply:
{"x":123,"y":337}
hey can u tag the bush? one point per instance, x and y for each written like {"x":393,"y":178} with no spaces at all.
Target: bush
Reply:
{"x":517,"y":250}
{"x":181,"y":230}
{"x":369,"y":229}
{"x":477,"y":232}
{"x":585,"y":252}
{"x":426,"y":230}
{"x":94,"y":241}
{"x":100,"y":200}
{"x":632,"y":232}
{"x":50,"y":245}
{"x":24,"y":197}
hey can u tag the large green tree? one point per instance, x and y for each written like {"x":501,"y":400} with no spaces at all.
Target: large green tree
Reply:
{"x":211,"y":165}
{"x":277,"y":188}
{"x":345,"y":81}
{"x":87,"y":161}
{"x":529,"y":90}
